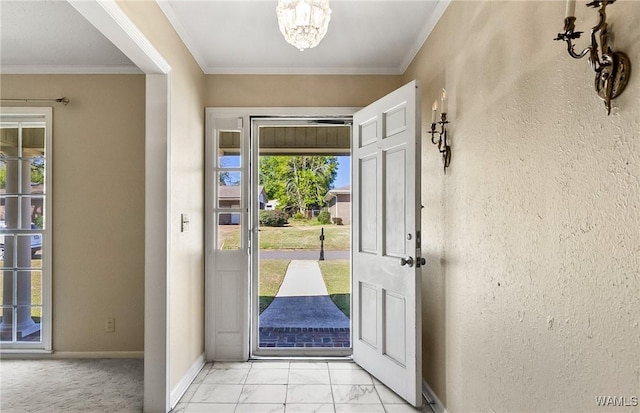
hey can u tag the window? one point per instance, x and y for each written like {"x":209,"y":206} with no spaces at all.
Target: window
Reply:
{"x":25,"y":187}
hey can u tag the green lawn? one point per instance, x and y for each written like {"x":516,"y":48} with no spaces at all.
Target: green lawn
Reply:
{"x":336,"y":277}
{"x":297,"y":235}
{"x":304,"y":237}
{"x":271,"y":276}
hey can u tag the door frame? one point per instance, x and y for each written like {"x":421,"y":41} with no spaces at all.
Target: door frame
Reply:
{"x":246,"y":114}
{"x":255,"y":351}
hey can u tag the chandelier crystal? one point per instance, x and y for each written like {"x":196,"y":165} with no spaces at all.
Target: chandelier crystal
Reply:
{"x":303,"y":23}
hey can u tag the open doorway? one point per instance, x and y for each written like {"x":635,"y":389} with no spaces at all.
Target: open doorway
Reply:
{"x":386,"y":256}
{"x":301,"y":271}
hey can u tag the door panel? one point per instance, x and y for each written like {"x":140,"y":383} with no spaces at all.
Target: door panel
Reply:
{"x":368,"y":305}
{"x":368,"y":205}
{"x":394,"y":202}
{"x":227,"y":247}
{"x":386,"y":219}
{"x":395,"y":323}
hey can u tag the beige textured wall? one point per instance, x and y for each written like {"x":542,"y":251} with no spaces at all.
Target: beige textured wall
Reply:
{"x":532,"y":287}
{"x":98,"y":206}
{"x":186,"y":305}
{"x":300,"y":90}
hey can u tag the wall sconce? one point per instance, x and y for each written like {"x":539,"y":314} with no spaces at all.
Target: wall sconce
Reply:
{"x":612,"y":68}
{"x":443,"y":146}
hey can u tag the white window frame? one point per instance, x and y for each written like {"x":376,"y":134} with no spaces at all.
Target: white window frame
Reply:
{"x":39,"y":114}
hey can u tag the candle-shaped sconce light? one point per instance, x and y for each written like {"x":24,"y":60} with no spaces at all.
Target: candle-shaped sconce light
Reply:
{"x":443,"y":102}
{"x":612,"y":68}
{"x":441,"y":142}
{"x":434,"y":111}
{"x":570,"y":10}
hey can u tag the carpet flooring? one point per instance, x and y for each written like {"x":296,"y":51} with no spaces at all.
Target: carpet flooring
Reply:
{"x":70,"y":386}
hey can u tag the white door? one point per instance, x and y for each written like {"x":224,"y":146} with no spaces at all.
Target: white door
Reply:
{"x":227,"y":280}
{"x":386,"y":241}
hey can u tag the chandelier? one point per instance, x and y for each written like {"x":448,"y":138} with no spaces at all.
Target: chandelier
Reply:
{"x":303,"y":23}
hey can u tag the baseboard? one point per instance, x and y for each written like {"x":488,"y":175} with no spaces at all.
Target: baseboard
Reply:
{"x":98,"y":355}
{"x":432,"y":399}
{"x":25,"y":355}
{"x":186,"y":381}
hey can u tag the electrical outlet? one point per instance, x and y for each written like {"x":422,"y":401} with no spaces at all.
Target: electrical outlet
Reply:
{"x":110,"y":325}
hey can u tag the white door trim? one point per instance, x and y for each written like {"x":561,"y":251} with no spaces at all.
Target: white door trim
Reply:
{"x":246,"y":114}
{"x":38,"y":114}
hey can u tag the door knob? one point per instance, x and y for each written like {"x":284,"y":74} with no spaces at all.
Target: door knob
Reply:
{"x":407,"y":261}
{"x":420,"y":262}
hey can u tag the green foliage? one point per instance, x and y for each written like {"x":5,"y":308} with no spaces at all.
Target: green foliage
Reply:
{"x":273,"y":218}
{"x":37,"y":173}
{"x":298,"y":215}
{"x":298,"y":182}
{"x":39,"y":221}
{"x":324,"y":217}
{"x":3,"y":176}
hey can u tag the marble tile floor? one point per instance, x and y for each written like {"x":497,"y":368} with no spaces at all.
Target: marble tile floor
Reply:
{"x":287,"y":387}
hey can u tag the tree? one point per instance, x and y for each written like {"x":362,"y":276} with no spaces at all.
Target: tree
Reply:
{"x":298,"y":182}
{"x":228,"y":178}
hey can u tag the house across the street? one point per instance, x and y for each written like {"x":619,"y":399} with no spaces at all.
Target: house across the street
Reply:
{"x":339,"y":203}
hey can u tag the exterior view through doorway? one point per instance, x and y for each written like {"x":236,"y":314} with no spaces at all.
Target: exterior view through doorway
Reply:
{"x":301,"y":215}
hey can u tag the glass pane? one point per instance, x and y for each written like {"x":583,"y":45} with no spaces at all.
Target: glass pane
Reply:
{"x":229,"y":231}
{"x":28,"y":328}
{"x":8,"y":212}
{"x":27,"y":247}
{"x":29,"y":288}
{"x":229,"y":178}
{"x":9,"y":177}
{"x":6,"y":324}
{"x":33,"y":140}
{"x":9,"y":140}
{"x":35,"y":206}
{"x":5,"y":285}
{"x":37,"y":251}
{"x":229,"y":149}
{"x":7,"y":246}
{"x":37,"y":175}
{"x":229,"y":192}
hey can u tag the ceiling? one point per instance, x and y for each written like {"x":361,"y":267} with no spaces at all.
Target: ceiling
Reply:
{"x":52,"y":37}
{"x":224,"y":36}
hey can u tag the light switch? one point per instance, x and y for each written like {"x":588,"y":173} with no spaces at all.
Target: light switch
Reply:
{"x":184,"y":220}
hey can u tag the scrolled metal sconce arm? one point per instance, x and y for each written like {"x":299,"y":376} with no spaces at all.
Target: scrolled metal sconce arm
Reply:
{"x":441,"y":142}
{"x":612,"y":68}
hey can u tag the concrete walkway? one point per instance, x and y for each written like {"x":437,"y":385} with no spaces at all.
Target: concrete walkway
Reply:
{"x":303,"y":301}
